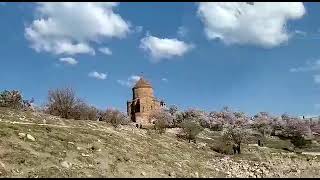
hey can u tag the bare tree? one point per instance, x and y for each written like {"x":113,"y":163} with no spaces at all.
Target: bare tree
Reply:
{"x":114,"y":117}
{"x":62,"y":102}
{"x":84,"y":111}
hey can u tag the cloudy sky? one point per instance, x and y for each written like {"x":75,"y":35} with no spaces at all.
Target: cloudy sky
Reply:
{"x":251,"y":57}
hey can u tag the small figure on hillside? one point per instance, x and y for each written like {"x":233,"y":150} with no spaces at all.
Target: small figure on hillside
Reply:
{"x":28,"y":104}
{"x":236,"y":148}
{"x":260,"y":143}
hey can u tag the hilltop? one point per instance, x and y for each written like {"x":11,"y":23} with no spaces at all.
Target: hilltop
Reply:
{"x":33,"y":144}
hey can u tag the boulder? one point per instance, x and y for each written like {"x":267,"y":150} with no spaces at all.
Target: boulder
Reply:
{"x":31,"y":138}
{"x":66,"y":164}
{"x":22,"y":135}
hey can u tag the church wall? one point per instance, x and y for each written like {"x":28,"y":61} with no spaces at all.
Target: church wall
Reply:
{"x":142,"y":92}
{"x":142,"y":104}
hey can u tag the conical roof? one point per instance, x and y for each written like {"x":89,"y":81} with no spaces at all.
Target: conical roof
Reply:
{"x":142,"y":83}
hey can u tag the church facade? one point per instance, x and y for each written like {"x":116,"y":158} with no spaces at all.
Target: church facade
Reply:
{"x":143,"y":103}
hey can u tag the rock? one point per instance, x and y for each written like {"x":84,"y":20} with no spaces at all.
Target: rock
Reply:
{"x":2,"y":165}
{"x":31,"y":138}
{"x":84,"y":155}
{"x":66,"y":164}
{"x":172,"y":174}
{"x":22,"y":135}
{"x":143,"y":173}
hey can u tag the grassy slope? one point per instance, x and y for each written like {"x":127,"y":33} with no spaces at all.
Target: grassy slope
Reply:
{"x":97,"y":150}
{"x":111,"y":152}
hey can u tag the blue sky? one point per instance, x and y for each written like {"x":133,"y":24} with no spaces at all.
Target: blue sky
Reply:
{"x":265,"y":58}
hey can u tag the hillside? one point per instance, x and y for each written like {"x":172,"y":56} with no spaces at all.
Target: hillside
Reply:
{"x":67,"y":148}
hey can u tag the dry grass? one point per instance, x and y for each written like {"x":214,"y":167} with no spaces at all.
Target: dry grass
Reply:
{"x":96,"y":149}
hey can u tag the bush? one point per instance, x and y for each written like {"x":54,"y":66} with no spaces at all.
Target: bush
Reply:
{"x":300,"y":142}
{"x":11,"y":99}
{"x":82,"y":111}
{"x":191,"y":129}
{"x":63,"y":103}
{"x":160,"y":126}
{"x":114,"y":117}
{"x":222,"y":148}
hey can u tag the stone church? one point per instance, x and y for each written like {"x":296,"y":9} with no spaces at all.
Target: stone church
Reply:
{"x":143,"y":103}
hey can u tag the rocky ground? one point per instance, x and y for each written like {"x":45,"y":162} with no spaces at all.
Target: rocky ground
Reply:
{"x":39,"y":145}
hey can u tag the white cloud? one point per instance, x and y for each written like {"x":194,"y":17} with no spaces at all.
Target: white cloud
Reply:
{"x":308,"y":67}
{"x":164,"y":48}
{"x":70,"y":27}
{"x":130,"y":81}
{"x":69,"y":60}
{"x":164,"y":79}
{"x":316,"y":78}
{"x":105,"y":50}
{"x":262,"y":24}
{"x":182,"y":31}
{"x":97,"y":75}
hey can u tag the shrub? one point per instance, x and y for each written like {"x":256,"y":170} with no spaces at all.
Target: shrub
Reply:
{"x":222,"y":148}
{"x":63,"y":103}
{"x":300,"y":142}
{"x":191,"y":128}
{"x":114,"y":117}
{"x":84,"y":112}
{"x":160,"y":126}
{"x":11,"y":99}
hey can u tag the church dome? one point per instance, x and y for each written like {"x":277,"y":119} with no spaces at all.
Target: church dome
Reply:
{"x":142,"y":83}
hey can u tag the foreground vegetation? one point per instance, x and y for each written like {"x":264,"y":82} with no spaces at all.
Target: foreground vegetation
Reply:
{"x":68,"y":148}
{"x":78,"y":140}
